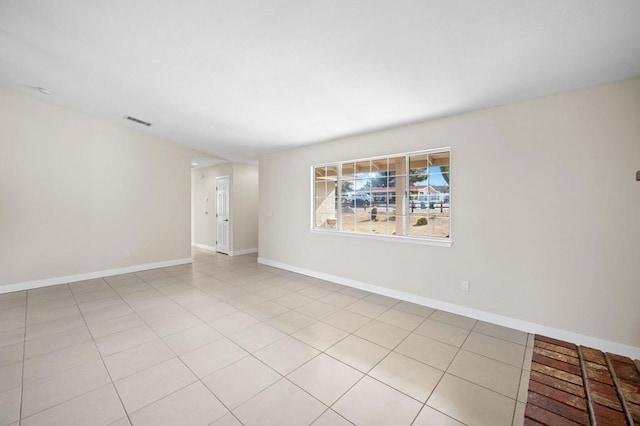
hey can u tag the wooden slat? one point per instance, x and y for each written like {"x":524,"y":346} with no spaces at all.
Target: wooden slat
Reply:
{"x":558,"y":374}
{"x":599,"y":373}
{"x":605,"y":395}
{"x":557,"y":356}
{"x":573,"y":369}
{"x":555,"y":342}
{"x":572,"y":384}
{"x":608,"y":417}
{"x":558,"y":395}
{"x":631,"y":391}
{"x":634,"y":409}
{"x":530,"y":422}
{"x":593,"y":355}
{"x":545,"y":417}
{"x":560,"y":349}
{"x":626,"y":371}
{"x":620,"y":358}
{"x":557,"y":407}
{"x":558,"y":384}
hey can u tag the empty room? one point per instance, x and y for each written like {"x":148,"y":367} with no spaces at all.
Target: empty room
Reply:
{"x":319,"y":213}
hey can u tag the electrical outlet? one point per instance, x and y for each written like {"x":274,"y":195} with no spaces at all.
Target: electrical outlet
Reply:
{"x":126,"y":253}
{"x":465,"y":286}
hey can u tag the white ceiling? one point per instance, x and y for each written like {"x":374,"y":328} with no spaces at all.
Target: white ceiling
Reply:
{"x":240,"y":78}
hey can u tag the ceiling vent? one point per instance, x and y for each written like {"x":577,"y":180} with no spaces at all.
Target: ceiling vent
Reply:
{"x":137,"y":120}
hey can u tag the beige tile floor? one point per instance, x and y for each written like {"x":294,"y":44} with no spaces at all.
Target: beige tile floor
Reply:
{"x":226,"y":341}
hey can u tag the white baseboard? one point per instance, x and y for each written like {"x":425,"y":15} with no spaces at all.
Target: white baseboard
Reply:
{"x":90,"y":275}
{"x":231,"y":252}
{"x":241,"y":252}
{"x":526,"y":326}
{"x":204,"y":247}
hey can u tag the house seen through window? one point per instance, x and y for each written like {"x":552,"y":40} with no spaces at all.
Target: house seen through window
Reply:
{"x":403,"y":195}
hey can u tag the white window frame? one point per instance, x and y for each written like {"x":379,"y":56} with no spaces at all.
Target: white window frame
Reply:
{"x":410,"y":239}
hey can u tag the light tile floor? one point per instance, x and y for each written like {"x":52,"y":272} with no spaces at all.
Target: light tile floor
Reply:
{"x":226,"y":341}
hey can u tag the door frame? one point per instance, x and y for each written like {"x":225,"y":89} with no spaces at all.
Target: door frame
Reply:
{"x":228,"y":220}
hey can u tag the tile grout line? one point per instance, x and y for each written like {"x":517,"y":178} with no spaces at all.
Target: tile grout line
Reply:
{"x":178,"y":356}
{"x":390,"y":351}
{"x":52,"y":352}
{"x":104,"y":365}
{"x":282,"y":376}
{"x":24,"y":352}
{"x":251,"y":354}
{"x":171,"y":349}
{"x":315,"y":320}
{"x":446,"y":369}
{"x":329,"y":409}
{"x":366,"y":374}
{"x":229,"y":411}
{"x":515,"y":409}
{"x":308,"y":361}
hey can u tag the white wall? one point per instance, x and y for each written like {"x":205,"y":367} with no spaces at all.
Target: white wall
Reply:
{"x":545,"y":218}
{"x":245,"y":207}
{"x":77,"y":192}
{"x":243,"y":227}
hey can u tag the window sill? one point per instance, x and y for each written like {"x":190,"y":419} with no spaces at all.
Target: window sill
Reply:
{"x":437,"y":242}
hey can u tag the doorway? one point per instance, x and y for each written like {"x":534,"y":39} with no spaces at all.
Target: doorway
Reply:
{"x":222,"y":214}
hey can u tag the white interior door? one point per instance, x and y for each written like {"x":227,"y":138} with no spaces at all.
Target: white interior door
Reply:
{"x":222,"y":214}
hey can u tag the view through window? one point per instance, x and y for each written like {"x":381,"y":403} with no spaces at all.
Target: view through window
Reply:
{"x":403,"y":195}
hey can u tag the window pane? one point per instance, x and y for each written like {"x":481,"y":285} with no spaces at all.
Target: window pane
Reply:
{"x":379,"y":181}
{"x":363,"y":190}
{"x":332,"y":173}
{"x":348,"y":176}
{"x":397,"y":166}
{"x":429,"y":189}
{"x":399,"y":195}
{"x":379,"y":165}
{"x":419,"y":190}
{"x":348,"y":171}
{"x":419,"y":164}
{"x":325,"y":205}
{"x":326,"y":172}
{"x":359,"y":202}
{"x":382,"y":220}
{"x":363,"y":222}
{"x":348,"y":219}
{"x":325,"y":196}
{"x":362,"y":185}
{"x":348,"y":187}
{"x":439,"y":212}
{"x":382,"y":195}
{"x":325,"y":221}
{"x":440,"y":159}
{"x":396,"y":208}
{"x":363,"y":168}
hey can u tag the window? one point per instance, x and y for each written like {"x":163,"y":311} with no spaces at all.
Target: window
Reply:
{"x":404,"y":195}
